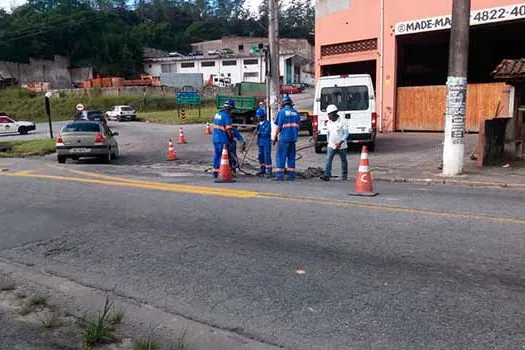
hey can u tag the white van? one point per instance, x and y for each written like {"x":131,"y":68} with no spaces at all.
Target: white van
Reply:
{"x":354,"y":97}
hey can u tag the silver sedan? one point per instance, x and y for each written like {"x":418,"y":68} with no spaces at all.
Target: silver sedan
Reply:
{"x":86,"y":139}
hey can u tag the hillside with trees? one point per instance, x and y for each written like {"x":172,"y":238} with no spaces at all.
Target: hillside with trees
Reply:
{"x":109,"y":35}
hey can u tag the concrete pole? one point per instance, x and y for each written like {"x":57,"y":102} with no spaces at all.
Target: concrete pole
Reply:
{"x":454,"y":145}
{"x":273,"y":39}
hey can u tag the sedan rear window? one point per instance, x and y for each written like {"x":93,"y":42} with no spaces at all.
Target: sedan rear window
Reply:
{"x":127,"y":109}
{"x":81,"y":127}
{"x":346,"y":98}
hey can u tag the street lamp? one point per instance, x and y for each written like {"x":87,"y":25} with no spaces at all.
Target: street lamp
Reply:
{"x":48,"y":112}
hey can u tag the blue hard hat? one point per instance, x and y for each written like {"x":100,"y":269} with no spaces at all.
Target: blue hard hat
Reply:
{"x":287,"y":100}
{"x":229,"y":103}
{"x":260,"y":113}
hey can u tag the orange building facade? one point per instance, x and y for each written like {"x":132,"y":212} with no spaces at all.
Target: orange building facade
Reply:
{"x":403,"y":44}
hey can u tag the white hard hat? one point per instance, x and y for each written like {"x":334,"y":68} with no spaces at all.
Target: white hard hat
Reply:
{"x":331,"y":109}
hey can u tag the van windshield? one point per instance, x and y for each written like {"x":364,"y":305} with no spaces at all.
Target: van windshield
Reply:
{"x":346,"y":98}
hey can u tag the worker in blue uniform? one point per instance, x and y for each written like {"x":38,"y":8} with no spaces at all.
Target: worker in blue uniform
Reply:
{"x":234,"y":160}
{"x":222,"y":133}
{"x":288,"y":123}
{"x":261,"y":109}
{"x":264,"y":131}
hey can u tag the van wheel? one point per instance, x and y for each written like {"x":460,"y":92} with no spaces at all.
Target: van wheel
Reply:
{"x":371,"y":146}
{"x":318,"y":148}
{"x":61,"y":159}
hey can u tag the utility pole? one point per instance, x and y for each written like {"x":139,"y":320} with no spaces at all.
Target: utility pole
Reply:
{"x":273,"y":39}
{"x":454,"y":145}
{"x":47,"y":106}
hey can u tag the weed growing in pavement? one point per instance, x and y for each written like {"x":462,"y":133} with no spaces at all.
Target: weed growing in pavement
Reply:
{"x":150,"y":343}
{"x":31,"y":304}
{"x":102,"y":327}
{"x":6,"y":284}
{"x":179,"y":343}
{"x":51,"y":320}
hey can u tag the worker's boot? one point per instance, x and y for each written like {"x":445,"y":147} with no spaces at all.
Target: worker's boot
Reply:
{"x":261,"y":171}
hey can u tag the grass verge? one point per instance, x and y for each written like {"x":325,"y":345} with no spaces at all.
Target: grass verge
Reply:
{"x":172,"y":116}
{"x":29,"y":106}
{"x":27,"y":148}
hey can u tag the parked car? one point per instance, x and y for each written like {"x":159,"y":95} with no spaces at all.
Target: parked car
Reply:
{"x":175,"y":54}
{"x":120,"y":113}
{"x":86,"y":139}
{"x":226,"y":51}
{"x":9,"y":125}
{"x":195,"y":53}
{"x":306,"y":122}
{"x":213,"y":53}
{"x":289,"y":89}
{"x":300,"y":86}
{"x":91,"y":115}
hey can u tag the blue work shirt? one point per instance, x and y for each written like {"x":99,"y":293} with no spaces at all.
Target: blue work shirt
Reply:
{"x":288,"y":121}
{"x":222,"y":122}
{"x":264,"y":133}
{"x":236,"y":134}
{"x":260,"y":108}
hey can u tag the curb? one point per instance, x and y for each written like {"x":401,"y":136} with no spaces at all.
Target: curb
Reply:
{"x":445,"y":181}
{"x":76,"y":298}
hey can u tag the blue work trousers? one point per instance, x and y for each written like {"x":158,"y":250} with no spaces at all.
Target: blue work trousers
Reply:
{"x":234,"y":161}
{"x":285,"y":156}
{"x":265,"y":159}
{"x":330,"y":157}
{"x":217,"y":146}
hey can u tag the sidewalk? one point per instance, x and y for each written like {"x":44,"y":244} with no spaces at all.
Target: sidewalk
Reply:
{"x":415,"y":158}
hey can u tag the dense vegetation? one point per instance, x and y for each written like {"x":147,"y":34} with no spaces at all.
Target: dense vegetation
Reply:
{"x":109,"y":35}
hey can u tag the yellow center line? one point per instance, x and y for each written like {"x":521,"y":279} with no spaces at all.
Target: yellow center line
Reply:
{"x":247,"y":194}
{"x":430,"y":212}
{"x":149,"y":186}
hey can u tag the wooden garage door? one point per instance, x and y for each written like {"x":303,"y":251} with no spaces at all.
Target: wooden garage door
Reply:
{"x":422,"y":108}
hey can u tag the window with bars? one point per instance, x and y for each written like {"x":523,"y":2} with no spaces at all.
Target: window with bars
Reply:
{"x":187,"y":65}
{"x":349,"y":47}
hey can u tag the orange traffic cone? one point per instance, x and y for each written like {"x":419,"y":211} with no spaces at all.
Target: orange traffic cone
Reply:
{"x":171,"y":151}
{"x":208,"y":129}
{"x":363,"y":180}
{"x":181,"y":139}
{"x":225,"y":172}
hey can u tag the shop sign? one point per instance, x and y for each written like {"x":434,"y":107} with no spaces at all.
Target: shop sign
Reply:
{"x":477,"y":17}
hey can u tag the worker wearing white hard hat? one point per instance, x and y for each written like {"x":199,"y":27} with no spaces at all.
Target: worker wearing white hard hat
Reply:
{"x":337,"y":136}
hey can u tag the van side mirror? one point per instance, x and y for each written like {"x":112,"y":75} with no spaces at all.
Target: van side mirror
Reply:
{"x":318,"y":99}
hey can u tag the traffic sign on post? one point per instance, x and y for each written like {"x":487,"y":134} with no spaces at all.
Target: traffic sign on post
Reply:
{"x":183,"y":114}
{"x":188,"y":98}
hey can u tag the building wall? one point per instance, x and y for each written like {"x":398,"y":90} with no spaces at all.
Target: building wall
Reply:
{"x":239,"y":72}
{"x":345,"y":21}
{"x":55,"y":72}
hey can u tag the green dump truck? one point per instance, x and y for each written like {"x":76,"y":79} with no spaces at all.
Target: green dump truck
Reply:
{"x":246,"y":103}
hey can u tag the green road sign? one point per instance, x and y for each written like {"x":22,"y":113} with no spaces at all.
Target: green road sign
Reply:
{"x":188,"y":98}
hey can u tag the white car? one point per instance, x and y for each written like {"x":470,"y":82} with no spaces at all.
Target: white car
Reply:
{"x":120,"y":113}
{"x":9,"y":126}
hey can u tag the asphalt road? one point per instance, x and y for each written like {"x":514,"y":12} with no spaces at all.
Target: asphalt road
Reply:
{"x":414,"y":268}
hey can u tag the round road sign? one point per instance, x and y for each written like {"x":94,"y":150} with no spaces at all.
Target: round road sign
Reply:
{"x":80,"y":107}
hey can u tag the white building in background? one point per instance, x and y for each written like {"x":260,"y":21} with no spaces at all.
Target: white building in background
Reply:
{"x":231,"y":69}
